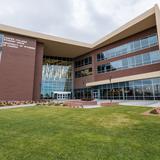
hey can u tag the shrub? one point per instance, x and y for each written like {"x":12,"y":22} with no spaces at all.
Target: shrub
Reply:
{"x":87,"y":99}
{"x":156,"y":111}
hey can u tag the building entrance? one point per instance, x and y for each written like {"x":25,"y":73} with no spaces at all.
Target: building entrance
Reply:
{"x":62,"y":95}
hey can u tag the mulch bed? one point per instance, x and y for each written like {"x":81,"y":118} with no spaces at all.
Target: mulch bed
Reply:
{"x":108,"y":104}
{"x":152,"y":112}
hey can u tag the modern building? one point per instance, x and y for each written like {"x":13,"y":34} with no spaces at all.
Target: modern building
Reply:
{"x":125,"y":64}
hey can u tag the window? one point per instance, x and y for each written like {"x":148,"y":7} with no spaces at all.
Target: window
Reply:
{"x":116,"y":65}
{"x":83,"y":73}
{"x":144,"y":43}
{"x":108,"y":67}
{"x":125,"y":63}
{"x":153,"y":40}
{"x":99,"y":69}
{"x":56,"y":76}
{"x":137,"y":45}
{"x":83,"y":62}
{"x":90,"y":60}
{"x":131,"y":62}
{"x":103,"y":68}
{"x":133,"y":46}
{"x":1,"y":39}
{"x":98,"y":57}
{"x":146,"y":58}
{"x":138,"y":60}
{"x":86,"y":61}
{"x":155,"y":57}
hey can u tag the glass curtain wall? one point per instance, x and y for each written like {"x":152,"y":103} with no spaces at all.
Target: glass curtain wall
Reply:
{"x":131,"y":62}
{"x":147,"y":89}
{"x":140,"y":44}
{"x":56,"y":76}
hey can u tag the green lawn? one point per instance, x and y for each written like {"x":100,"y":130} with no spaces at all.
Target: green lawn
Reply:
{"x":48,"y":133}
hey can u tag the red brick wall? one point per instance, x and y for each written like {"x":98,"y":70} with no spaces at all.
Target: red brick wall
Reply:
{"x":17,"y":70}
{"x":79,"y":82}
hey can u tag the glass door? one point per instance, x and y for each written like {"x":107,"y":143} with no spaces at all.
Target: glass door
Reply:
{"x":96,"y":94}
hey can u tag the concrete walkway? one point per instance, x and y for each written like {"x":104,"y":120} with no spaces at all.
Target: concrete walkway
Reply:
{"x":91,"y":106}
{"x":18,"y":106}
{"x":141,"y":103}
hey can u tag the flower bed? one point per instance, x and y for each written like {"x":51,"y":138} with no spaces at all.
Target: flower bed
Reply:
{"x":108,"y":104}
{"x":79,"y":103}
{"x":155,"y":111}
{"x":15,"y":103}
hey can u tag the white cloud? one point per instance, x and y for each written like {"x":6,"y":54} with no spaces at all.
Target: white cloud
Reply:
{"x":83,"y":20}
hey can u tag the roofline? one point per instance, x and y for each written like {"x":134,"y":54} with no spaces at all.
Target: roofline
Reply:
{"x":37,"y":35}
{"x":126,"y":26}
{"x":88,"y":46}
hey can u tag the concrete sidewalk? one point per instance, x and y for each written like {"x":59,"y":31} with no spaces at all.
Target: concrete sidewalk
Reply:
{"x":18,"y":106}
{"x":141,"y":103}
{"x":91,"y":106}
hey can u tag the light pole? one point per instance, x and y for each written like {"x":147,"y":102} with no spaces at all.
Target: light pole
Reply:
{"x":110,"y":80}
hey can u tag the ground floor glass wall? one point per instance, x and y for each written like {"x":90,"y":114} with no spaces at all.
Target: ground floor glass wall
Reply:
{"x":147,"y":89}
{"x":56,"y":78}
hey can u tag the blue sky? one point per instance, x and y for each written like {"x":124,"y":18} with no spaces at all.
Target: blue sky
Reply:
{"x":81,"y":20}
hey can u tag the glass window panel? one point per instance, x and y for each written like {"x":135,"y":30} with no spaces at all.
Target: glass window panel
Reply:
{"x":148,"y":90}
{"x":155,"y":56}
{"x":86,"y":61}
{"x":1,"y":39}
{"x":116,"y":65}
{"x":102,"y":56}
{"x":122,"y":84}
{"x":138,"y":83}
{"x":125,"y":63}
{"x":157,"y":89}
{"x":144,"y":43}
{"x":147,"y":82}
{"x":108,"y":67}
{"x":156,"y":81}
{"x":103,"y":68}
{"x":146,"y":58}
{"x":153,"y":40}
{"x":138,"y":92}
{"x":98,"y":57}
{"x":99,"y":69}
{"x":137,"y":45}
{"x":130,"y":92}
{"x":90,"y":60}
{"x":138,"y":60}
{"x":131,"y":62}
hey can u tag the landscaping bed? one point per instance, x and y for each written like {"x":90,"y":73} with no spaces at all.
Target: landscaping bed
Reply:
{"x":79,"y":103}
{"x":154,"y":112}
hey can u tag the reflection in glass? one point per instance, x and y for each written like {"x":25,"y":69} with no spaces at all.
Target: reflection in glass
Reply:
{"x":131,"y":62}
{"x":147,"y":89}
{"x":130,"y":47}
{"x":56,"y":76}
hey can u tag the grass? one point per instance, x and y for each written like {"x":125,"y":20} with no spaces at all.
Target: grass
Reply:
{"x":48,"y":133}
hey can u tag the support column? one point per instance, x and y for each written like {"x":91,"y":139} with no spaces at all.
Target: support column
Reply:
{"x":38,"y":71}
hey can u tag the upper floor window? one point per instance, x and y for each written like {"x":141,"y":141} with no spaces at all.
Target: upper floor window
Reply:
{"x":83,"y":73}
{"x":1,"y":39}
{"x":83,"y":62}
{"x":131,"y":62}
{"x":130,"y":47}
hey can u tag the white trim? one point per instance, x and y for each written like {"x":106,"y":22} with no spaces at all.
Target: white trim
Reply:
{"x":126,"y":78}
